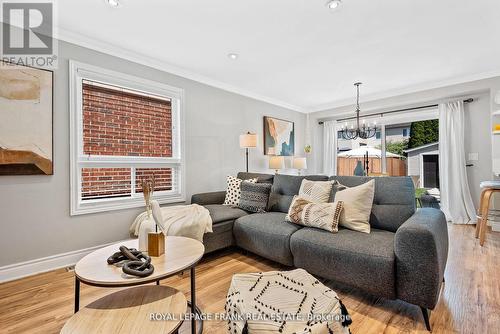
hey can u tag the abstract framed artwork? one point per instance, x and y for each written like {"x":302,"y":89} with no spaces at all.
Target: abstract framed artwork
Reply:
{"x":279,"y":137}
{"x":26,"y":120}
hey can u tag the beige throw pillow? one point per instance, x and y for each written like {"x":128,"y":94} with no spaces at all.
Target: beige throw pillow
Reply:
{"x":320,"y":215}
{"x":358,"y":203}
{"x":316,"y":191}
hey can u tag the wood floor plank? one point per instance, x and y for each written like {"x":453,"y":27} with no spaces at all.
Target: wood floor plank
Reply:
{"x":469,"y":302}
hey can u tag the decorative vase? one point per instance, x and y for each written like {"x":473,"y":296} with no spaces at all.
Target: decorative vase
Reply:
{"x":147,"y":226}
{"x":359,"y":171}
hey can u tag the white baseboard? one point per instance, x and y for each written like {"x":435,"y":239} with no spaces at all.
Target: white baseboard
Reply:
{"x":37,"y":266}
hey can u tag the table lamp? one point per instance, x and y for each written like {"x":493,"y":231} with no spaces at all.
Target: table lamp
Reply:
{"x":299,"y":164}
{"x":248,"y":140}
{"x":276,"y":163}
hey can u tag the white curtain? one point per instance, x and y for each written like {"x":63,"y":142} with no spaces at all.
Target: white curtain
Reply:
{"x":456,"y":200}
{"x":329,"y":148}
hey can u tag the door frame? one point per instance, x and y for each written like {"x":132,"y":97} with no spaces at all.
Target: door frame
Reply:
{"x":421,"y":158}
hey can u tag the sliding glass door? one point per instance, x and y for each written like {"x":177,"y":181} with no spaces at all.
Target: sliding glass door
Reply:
{"x":406,"y":144}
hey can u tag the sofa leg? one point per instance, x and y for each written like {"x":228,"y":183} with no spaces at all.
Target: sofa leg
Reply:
{"x":426,"y":314}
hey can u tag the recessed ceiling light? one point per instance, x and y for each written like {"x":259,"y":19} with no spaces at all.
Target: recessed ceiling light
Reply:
{"x":113,"y":3}
{"x":232,"y":56}
{"x":333,"y":4}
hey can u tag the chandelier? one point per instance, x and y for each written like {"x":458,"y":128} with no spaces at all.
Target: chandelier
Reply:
{"x":362,"y":131}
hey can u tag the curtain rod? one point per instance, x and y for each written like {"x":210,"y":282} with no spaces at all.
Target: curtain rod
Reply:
{"x":394,"y":111}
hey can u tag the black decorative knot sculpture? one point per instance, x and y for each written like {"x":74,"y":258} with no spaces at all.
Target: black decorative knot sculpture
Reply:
{"x":136,"y":263}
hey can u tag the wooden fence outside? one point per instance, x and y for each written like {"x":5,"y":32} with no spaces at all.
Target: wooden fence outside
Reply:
{"x":395,"y":166}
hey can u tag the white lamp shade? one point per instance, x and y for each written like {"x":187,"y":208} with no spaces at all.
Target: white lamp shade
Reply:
{"x":299,"y":163}
{"x":497,"y":97}
{"x":276,"y":162}
{"x":248,"y":140}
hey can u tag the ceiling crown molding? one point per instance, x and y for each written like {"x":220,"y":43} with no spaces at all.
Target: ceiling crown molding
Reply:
{"x":406,"y":90}
{"x":107,"y":48}
{"x":113,"y":50}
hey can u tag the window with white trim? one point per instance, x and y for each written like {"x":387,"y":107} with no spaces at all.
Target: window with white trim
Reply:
{"x":123,"y":129}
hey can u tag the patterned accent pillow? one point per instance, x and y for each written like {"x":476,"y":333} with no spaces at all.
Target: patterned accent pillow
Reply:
{"x":316,"y":191}
{"x":325,"y":216}
{"x":254,"y":196}
{"x":233,"y":192}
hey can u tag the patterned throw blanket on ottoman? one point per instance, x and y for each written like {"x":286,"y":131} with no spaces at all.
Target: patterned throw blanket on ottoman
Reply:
{"x":284,"y":302}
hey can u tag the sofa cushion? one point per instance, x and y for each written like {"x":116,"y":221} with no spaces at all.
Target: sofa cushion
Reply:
{"x":365,"y":261}
{"x":261,"y":178}
{"x":285,"y":187}
{"x":221,"y":213}
{"x":266,"y":234}
{"x":393,"y":203}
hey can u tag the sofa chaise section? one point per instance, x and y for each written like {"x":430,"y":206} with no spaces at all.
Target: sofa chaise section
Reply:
{"x":223,"y":216}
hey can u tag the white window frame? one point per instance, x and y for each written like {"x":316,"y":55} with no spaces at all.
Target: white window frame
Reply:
{"x":77,"y":73}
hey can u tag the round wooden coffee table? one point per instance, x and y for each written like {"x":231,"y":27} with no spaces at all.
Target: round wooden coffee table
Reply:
{"x":180,"y":254}
{"x":134,"y":310}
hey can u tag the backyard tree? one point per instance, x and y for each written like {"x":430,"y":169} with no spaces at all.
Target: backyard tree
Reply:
{"x":397,"y":147}
{"x":423,"y":132}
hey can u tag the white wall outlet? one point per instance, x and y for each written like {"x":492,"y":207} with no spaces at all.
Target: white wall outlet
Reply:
{"x":473,"y":156}
{"x":496,"y":167}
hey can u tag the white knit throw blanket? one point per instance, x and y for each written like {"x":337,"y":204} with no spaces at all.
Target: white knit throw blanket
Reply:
{"x":191,"y":221}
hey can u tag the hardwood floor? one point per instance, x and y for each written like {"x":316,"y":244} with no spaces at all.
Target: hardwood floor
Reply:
{"x":469,"y":302}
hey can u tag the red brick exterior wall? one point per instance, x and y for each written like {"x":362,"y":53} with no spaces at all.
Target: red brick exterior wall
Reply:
{"x":105,"y":182}
{"x":120,"y":123}
{"x":162,"y":178}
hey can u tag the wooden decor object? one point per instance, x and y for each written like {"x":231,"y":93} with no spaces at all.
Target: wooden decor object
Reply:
{"x":156,"y":244}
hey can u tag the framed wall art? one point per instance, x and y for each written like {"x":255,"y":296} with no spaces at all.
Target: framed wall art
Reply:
{"x":26,"y":119}
{"x":279,"y":137}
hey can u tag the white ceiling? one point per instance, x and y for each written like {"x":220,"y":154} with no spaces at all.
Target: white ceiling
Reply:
{"x":296,"y":52}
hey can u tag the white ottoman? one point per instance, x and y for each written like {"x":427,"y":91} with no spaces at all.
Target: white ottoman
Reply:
{"x":284,"y":302}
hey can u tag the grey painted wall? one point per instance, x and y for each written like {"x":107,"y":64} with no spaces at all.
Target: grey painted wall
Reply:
{"x":34,"y":210}
{"x":478,"y":137}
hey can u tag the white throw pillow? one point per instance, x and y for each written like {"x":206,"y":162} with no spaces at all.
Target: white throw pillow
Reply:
{"x":316,"y":191}
{"x":358,"y":202}
{"x":233,"y":191}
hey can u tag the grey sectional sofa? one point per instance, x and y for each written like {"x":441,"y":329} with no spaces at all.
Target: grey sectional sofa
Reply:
{"x":404,"y":256}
